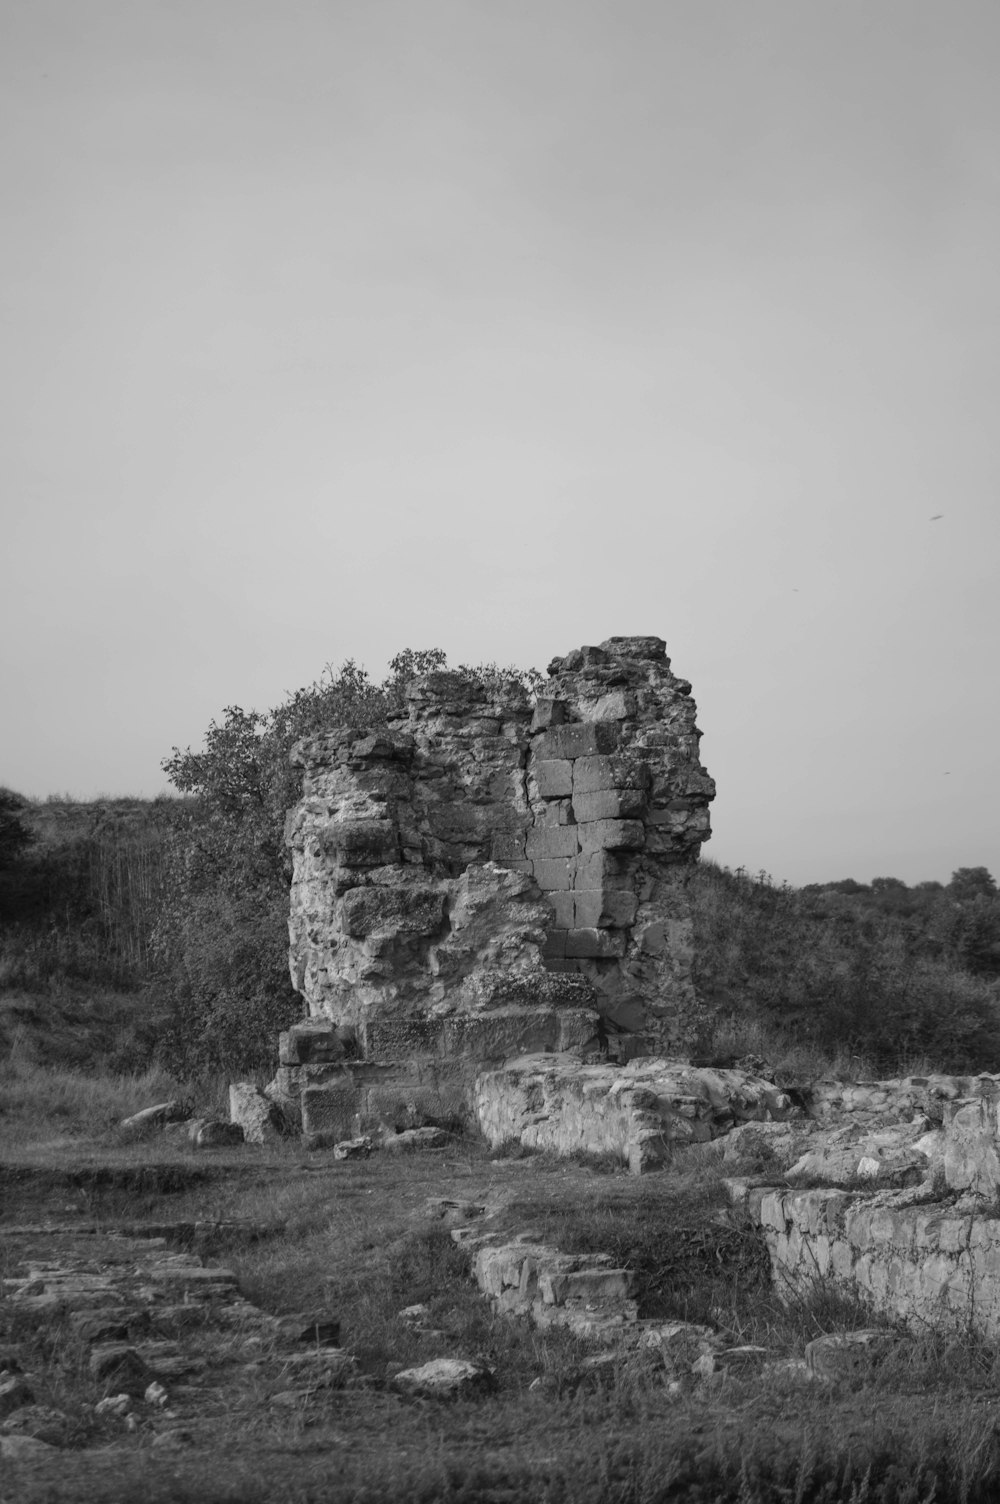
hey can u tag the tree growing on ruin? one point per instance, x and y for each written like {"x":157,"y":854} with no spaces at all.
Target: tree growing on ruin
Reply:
{"x":222,"y":939}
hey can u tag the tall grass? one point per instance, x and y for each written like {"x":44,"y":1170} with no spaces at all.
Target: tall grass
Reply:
{"x":38,"y":1102}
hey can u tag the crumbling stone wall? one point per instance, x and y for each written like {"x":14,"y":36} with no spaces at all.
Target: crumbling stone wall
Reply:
{"x":619,"y":802}
{"x":490,"y":876}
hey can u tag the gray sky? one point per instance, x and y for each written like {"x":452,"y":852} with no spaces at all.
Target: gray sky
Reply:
{"x":331,"y":327}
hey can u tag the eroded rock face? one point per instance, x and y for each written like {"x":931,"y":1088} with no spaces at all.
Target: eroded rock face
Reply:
{"x":490,"y":876}
{"x":639,"y":1113}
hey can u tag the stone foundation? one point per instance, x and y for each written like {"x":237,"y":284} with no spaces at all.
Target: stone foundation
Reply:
{"x":931,"y":1264}
{"x":640,"y":1113}
{"x":928,"y":1251}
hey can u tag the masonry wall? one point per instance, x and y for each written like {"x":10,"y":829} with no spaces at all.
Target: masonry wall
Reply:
{"x":935,"y":1265}
{"x":489,"y":875}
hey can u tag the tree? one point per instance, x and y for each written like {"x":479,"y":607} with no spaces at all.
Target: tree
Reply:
{"x":15,"y":836}
{"x":222,"y":938}
{"x":972,"y":882}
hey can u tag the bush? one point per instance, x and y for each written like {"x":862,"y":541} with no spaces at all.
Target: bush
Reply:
{"x":878,"y":973}
{"x":221,"y":942}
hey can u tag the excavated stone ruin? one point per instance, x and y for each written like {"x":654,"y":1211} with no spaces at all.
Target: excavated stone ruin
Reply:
{"x":488,"y":876}
{"x":488,"y":917}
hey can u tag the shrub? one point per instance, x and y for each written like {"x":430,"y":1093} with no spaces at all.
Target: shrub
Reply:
{"x":222,"y":941}
{"x":866,"y":973}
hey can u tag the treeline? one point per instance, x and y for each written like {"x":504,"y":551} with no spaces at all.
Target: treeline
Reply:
{"x":178,"y":907}
{"x":890,"y":973}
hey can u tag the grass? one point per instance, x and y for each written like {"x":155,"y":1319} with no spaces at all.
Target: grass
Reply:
{"x":355,"y":1240}
{"x":59,"y":1105}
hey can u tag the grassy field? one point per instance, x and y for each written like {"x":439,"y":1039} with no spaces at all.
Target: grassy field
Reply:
{"x":304,"y":1233}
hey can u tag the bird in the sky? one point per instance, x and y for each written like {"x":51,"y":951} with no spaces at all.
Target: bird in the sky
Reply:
{"x":937,"y":516}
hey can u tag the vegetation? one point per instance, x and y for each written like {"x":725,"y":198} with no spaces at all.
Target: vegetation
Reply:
{"x":223,"y":937}
{"x":129,"y":936}
{"x":883,"y":974}
{"x":142,"y":957}
{"x":160,"y":926}
{"x":356,"y":1241}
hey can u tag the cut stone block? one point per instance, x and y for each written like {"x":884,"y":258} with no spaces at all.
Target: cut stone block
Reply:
{"x":554,"y":948}
{"x":554,"y":875}
{"x":611,"y":835}
{"x":554,"y":777}
{"x":597,"y":1285}
{"x":503,"y":1033}
{"x":546,"y":843}
{"x":562,"y":908}
{"x":601,"y":869}
{"x":402,"y":1106}
{"x":617,"y":705}
{"x":592,"y":739}
{"x":602,"y":908}
{"x":395,"y":1037}
{"x":330,"y":1110}
{"x":309,"y":1043}
{"x":548,"y":712}
{"x":593,"y":775}
{"x":556,"y":812}
{"x":507,"y":846}
{"x":609,"y":804}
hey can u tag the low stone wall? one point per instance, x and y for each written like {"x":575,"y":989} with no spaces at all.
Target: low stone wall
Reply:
{"x":927,"y":1251}
{"x":931,"y":1264}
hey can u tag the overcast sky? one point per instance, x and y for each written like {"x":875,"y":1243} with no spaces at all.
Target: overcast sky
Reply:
{"x":330,"y":327}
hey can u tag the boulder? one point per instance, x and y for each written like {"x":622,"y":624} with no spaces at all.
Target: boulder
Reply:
{"x":844,"y":1355}
{"x":444,"y":1378}
{"x":213,"y":1135}
{"x":417,"y":1138}
{"x":24,"y":1449}
{"x":352,"y":1148}
{"x":38,"y":1421}
{"x":153,"y":1117}
{"x":259,"y":1118}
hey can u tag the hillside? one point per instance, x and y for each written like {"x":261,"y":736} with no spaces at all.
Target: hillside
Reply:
{"x":858,"y":975}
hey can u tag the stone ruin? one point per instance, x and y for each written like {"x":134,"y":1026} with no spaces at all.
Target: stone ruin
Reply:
{"x":491,"y":875}
{"x":489,"y":921}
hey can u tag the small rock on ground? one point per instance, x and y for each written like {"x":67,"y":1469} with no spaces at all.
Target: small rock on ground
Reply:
{"x":444,"y":1378}
{"x":840,"y":1355}
{"x":24,"y":1448}
{"x":39,"y":1421}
